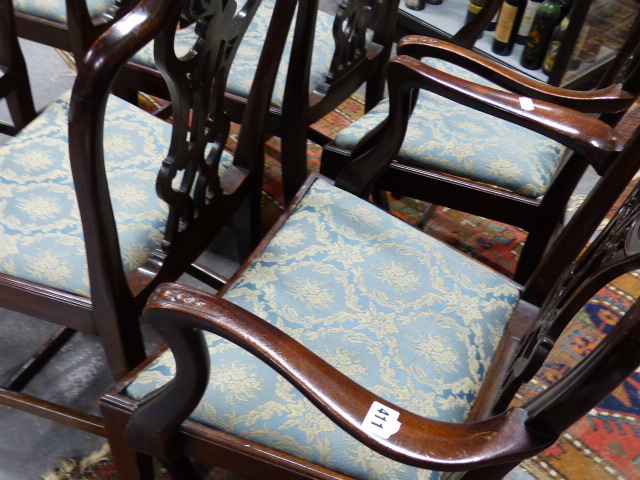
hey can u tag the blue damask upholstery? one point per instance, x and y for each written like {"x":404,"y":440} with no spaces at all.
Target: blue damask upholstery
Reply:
{"x":448,"y":137}
{"x":56,"y":10}
{"x":40,"y":229}
{"x":408,"y":317}
{"x":246,"y":60}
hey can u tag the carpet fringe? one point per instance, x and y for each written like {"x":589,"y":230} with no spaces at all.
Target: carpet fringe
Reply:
{"x":70,"y":466}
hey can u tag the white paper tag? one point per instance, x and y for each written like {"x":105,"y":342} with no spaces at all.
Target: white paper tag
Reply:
{"x":526,"y":103}
{"x":381,"y":421}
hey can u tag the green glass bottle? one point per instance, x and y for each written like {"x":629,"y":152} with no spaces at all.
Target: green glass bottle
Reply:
{"x":554,"y":45}
{"x":546,"y":19}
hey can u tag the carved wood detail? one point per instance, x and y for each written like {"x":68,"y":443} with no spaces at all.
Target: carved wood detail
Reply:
{"x":188,"y":179}
{"x":349,"y":33}
{"x":616,"y":250}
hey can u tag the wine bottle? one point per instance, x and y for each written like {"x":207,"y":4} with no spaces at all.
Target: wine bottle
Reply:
{"x":508,"y":24}
{"x":527,"y":20}
{"x":554,"y":45}
{"x":565,"y":7}
{"x":474,"y":9}
{"x":415,"y":4}
{"x":493,"y":22}
{"x":546,"y":19}
{"x":434,"y":2}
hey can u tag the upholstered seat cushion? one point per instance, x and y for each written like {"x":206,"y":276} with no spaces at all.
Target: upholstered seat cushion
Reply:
{"x":448,"y":137}
{"x":246,"y":60}
{"x":56,"y":10}
{"x":406,"y":316}
{"x":40,"y":229}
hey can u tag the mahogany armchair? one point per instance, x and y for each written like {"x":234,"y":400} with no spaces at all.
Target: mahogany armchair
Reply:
{"x":102,"y":201}
{"x":347,"y":327}
{"x":460,"y":152}
{"x":14,"y":80}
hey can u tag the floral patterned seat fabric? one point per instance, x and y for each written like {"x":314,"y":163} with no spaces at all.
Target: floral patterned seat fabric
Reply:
{"x":448,"y":137}
{"x":246,"y":59}
{"x":40,"y":229}
{"x":56,"y":10}
{"x":404,"y":315}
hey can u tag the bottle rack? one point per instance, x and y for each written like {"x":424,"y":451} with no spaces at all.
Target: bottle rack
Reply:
{"x":444,"y":20}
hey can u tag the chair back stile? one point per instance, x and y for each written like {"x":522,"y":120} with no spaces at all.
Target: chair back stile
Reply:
{"x":355,"y":61}
{"x":14,"y":80}
{"x":111,"y":294}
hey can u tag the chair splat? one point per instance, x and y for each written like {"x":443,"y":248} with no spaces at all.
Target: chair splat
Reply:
{"x":615,"y":251}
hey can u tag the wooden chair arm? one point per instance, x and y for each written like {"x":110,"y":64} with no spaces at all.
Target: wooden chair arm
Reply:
{"x":177,"y":311}
{"x":606,"y":100}
{"x":592,"y":138}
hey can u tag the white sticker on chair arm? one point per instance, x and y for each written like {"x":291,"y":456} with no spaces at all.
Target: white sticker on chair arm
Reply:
{"x":381,"y":421}
{"x":526,"y":103}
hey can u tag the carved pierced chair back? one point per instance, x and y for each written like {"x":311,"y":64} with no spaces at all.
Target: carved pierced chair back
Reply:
{"x":614,"y":252}
{"x":190,"y":179}
{"x":355,"y":22}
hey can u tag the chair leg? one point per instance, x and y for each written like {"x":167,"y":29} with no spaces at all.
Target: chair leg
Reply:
{"x":293,"y":159}
{"x":129,"y":464}
{"x":123,"y":344}
{"x":426,"y":215}
{"x":380,"y":198}
{"x":21,"y":108}
{"x":374,"y":90}
{"x":246,"y":223}
{"x":128,"y":94}
{"x":534,"y":248}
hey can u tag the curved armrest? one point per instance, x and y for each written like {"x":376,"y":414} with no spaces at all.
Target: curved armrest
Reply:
{"x":606,"y":100}
{"x":593,"y":139}
{"x":578,"y":131}
{"x":177,"y":310}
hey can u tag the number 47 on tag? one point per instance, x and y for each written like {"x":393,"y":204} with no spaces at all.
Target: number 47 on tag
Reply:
{"x":381,"y":421}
